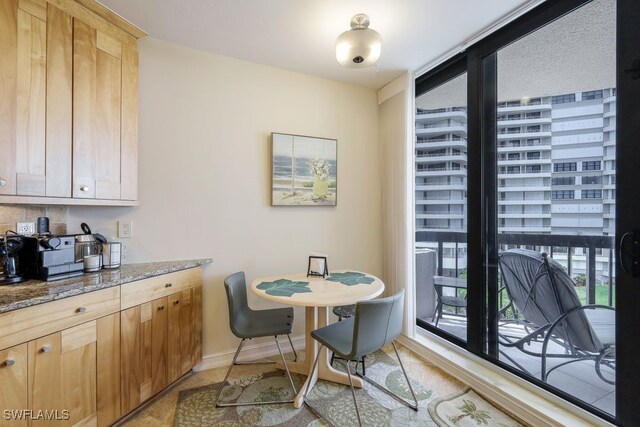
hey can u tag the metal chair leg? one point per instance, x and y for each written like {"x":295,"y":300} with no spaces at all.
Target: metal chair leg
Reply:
{"x":353,"y":393}
{"x":295,"y":355}
{"x":395,"y":396}
{"x":286,"y":368}
{"x":315,"y":365}
{"x":233,"y":363}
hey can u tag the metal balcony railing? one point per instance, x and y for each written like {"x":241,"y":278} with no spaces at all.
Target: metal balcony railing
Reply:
{"x":564,"y":245}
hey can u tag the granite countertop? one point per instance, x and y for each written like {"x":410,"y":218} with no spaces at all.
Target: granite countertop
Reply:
{"x":32,"y":292}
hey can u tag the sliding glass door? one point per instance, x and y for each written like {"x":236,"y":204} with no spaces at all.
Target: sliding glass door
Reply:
{"x":551,"y":282}
{"x":527,"y":246}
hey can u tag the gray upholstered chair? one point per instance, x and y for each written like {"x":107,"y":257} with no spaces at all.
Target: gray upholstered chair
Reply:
{"x":344,"y":312}
{"x":246,"y":323}
{"x":375,"y":324}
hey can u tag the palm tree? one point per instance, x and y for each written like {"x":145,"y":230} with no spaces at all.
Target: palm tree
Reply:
{"x":470,"y":410}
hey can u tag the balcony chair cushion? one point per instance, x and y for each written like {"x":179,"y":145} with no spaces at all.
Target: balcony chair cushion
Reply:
{"x":603,"y":323}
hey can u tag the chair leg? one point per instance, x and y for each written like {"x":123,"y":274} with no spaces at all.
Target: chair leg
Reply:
{"x":438,"y":314}
{"x":413,"y":406}
{"x":295,"y":355}
{"x":233,"y":363}
{"x":313,"y":370}
{"x":364,"y":372}
{"x":353,"y":392}
{"x":286,"y":368}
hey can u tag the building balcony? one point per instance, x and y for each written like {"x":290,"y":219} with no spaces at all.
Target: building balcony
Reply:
{"x":524,"y":229}
{"x":511,"y":149}
{"x":448,"y":113}
{"x":539,"y":174}
{"x":524,"y":108}
{"x":440,"y":215}
{"x":524,"y":215}
{"x":508,"y":202}
{"x":609,"y":100}
{"x":434,"y":144}
{"x":524,"y":121}
{"x":438,"y":158}
{"x":432,"y":228}
{"x":611,"y":113}
{"x":610,"y":128}
{"x":525,"y":161}
{"x":524,"y":187}
{"x":434,"y":187}
{"x":440,"y":129}
{"x":525,"y":134}
{"x":442,"y":172}
{"x":440,"y":201}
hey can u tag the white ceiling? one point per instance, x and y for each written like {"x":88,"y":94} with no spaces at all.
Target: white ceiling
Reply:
{"x":299,"y":35}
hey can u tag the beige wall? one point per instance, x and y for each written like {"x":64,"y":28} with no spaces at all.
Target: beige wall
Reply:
{"x":204,"y":174}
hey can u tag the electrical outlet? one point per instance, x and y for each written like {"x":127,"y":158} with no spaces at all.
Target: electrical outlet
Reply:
{"x":26,"y":228}
{"x":125,"y":229}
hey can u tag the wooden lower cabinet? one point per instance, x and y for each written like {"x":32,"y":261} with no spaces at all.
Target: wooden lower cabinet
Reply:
{"x":62,"y":376}
{"x":13,"y":377}
{"x":96,"y":371}
{"x":158,"y":344}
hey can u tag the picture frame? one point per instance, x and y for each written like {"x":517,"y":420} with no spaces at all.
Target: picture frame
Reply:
{"x":304,"y":170}
{"x":316,"y":260}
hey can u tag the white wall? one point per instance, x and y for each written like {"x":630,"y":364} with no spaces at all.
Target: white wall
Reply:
{"x":204,"y":174}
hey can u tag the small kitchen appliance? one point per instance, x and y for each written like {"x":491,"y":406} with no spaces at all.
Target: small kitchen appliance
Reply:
{"x":111,"y":255}
{"x":48,"y":257}
{"x":9,"y":253}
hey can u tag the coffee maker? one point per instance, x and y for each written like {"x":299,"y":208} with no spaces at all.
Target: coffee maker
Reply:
{"x":48,"y":257}
{"x":10,"y":247}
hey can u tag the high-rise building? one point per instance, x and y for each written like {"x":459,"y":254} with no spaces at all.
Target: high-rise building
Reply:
{"x":556,"y":170}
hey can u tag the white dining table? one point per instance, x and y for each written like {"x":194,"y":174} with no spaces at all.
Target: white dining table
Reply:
{"x":317,"y":295}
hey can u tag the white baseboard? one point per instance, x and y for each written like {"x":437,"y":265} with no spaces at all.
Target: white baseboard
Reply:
{"x":531,"y":404}
{"x":250,"y":352}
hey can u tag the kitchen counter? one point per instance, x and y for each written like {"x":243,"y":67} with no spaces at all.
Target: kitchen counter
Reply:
{"x":32,"y":292}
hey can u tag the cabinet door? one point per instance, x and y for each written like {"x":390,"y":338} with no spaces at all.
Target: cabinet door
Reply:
{"x":143,"y":344}
{"x":62,"y":376}
{"x":13,"y":377}
{"x":180,"y":335}
{"x":108,"y":369}
{"x":197,"y":324}
{"x":105,"y":77}
{"x":159,"y":323}
{"x":35,"y":123}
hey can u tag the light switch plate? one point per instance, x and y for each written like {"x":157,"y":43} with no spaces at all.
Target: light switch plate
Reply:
{"x":125,"y":229}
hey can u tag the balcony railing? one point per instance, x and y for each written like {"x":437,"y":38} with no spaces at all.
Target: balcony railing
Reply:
{"x":561,"y":245}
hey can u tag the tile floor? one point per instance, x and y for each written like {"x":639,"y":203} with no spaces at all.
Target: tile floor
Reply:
{"x":162,"y":410}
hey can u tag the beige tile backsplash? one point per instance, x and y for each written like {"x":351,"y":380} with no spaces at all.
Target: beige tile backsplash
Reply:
{"x":12,"y":214}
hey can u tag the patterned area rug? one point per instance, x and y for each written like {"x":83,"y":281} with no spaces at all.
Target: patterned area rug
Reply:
{"x":467,"y":409}
{"x":196,"y":407}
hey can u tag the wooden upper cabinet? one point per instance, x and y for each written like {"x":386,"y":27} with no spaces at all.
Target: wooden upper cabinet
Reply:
{"x":35,"y":54}
{"x":68,"y":102}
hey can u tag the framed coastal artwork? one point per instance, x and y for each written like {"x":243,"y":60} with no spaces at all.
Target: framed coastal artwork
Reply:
{"x":304,"y":170}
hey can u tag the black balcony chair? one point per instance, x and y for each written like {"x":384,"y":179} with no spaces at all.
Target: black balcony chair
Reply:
{"x":547,"y":306}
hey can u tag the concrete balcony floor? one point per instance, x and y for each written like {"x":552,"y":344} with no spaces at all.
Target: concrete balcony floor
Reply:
{"x":578,"y":379}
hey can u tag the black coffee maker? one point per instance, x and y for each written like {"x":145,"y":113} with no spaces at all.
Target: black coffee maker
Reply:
{"x":10,"y":247}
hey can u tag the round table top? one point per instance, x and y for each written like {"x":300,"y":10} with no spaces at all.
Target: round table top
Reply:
{"x":341,"y":287}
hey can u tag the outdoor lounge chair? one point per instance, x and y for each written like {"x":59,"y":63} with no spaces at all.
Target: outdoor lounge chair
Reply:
{"x":546,"y":304}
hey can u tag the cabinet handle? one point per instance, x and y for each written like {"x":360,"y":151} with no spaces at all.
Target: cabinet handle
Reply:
{"x":46,"y":349}
{"x":177,"y":301}
{"x":84,"y":188}
{"x":168,"y":285}
{"x":9,"y":362}
{"x":160,"y":307}
{"x":81,"y":309}
{"x":3,"y":182}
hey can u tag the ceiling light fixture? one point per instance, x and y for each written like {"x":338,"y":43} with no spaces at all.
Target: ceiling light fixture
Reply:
{"x":360,"y":47}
